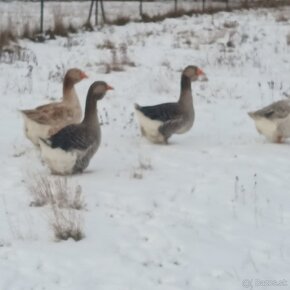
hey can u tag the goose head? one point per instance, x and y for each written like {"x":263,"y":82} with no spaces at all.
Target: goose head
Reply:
{"x":98,"y":89}
{"x":75,"y":75}
{"x":194,"y":73}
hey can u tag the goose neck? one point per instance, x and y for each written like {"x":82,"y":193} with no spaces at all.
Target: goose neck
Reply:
{"x":185,"y":91}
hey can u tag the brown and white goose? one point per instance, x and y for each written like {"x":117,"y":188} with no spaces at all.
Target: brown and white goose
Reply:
{"x":273,"y":121}
{"x":159,"y":122}
{"x":46,"y":120}
{"x":69,"y":151}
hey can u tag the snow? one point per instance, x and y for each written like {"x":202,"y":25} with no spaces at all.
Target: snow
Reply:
{"x":214,"y":208}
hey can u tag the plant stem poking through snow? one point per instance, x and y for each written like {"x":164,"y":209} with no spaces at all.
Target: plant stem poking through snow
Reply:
{"x":66,"y":224}
{"x":65,"y":203}
{"x":56,"y":191}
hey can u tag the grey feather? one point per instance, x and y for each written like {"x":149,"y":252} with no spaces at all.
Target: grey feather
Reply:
{"x":277,"y":110}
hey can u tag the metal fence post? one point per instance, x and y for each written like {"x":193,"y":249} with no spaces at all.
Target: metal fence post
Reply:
{"x":90,"y":11}
{"x":227,"y":4}
{"x":141,"y":8}
{"x":96,"y":12}
{"x":41,"y":15}
{"x":103,"y":11}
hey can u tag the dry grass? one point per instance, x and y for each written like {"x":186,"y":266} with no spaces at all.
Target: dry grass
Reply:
{"x":65,"y":202}
{"x":119,"y":59}
{"x":6,"y":37}
{"x":88,"y":26}
{"x":115,"y":64}
{"x":119,"y":21}
{"x":72,"y":29}
{"x":66,"y":224}
{"x":60,"y":29}
{"x":125,"y":60}
{"x":288,"y":38}
{"x":160,"y":17}
{"x":144,"y":165}
{"x":281,"y":18}
{"x":108,"y":44}
{"x":55,"y":191}
{"x":230,"y":24}
{"x":29,"y":32}
{"x":13,"y":52}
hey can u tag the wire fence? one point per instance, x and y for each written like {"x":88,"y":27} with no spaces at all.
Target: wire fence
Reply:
{"x":43,"y":15}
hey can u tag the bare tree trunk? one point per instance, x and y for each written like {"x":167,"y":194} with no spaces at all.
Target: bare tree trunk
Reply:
{"x":175,"y":5}
{"x":203,"y":5}
{"x":103,"y":11}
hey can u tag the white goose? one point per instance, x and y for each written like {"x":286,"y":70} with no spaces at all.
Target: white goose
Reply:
{"x":273,"y":121}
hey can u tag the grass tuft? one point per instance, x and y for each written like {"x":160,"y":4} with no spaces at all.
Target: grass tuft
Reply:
{"x":66,"y":224}
{"x":120,"y":21}
{"x":55,"y":190}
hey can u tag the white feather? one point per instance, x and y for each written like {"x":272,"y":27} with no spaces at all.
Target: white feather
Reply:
{"x":58,"y":160}
{"x":267,"y":128}
{"x":34,"y":131}
{"x":150,"y":127}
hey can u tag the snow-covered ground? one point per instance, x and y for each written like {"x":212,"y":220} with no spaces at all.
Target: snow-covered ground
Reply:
{"x":206,"y":212}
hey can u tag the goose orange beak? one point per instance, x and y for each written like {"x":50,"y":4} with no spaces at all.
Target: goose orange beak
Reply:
{"x":200,"y":72}
{"x":109,"y":88}
{"x":84,"y":75}
{"x":201,"y":75}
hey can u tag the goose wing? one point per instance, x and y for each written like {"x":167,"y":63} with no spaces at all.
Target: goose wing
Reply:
{"x":277,"y":110}
{"x":163,"y":112}
{"x":72,"y":137}
{"x":50,"y":115}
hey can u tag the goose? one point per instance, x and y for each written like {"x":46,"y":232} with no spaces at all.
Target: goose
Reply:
{"x":69,"y":150}
{"x":47,"y":119}
{"x":159,"y":122}
{"x":273,"y":121}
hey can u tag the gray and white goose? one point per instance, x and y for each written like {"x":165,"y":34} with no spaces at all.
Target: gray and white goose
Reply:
{"x":273,"y":121}
{"x":70,"y":150}
{"x":159,"y":122}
